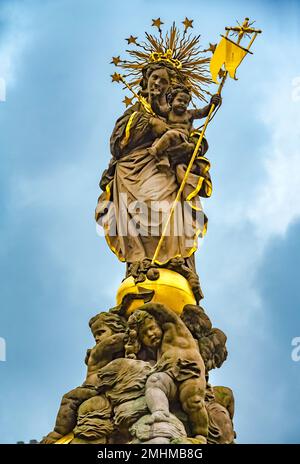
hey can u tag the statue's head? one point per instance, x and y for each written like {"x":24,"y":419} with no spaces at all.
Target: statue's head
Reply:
{"x":150,"y":333}
{"x":105,"y":324}
{"x":143,"y":332}
{"x":157,"y":78}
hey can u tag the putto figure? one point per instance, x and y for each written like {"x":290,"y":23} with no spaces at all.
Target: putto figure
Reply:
{"x":108,"y":330}
{"x":180,"y":122}
{"x":179,"y":366}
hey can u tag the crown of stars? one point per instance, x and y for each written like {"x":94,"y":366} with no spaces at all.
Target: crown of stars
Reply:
{"x":176,"y":48}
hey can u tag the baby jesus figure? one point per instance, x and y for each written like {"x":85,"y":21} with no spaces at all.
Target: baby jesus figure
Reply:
{"x":179,"y":124}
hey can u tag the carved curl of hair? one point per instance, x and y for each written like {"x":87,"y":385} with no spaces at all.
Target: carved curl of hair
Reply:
{"x":115,"y":322}
{"x":135,"y":321}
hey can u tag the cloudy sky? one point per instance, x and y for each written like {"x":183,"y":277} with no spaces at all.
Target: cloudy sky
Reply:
{"x":56,"y":272}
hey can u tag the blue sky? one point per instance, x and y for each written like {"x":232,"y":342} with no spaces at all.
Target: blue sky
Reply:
{"x":56,"y":272}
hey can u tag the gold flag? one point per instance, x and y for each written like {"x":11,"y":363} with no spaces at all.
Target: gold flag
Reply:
{"x":228,"y":53}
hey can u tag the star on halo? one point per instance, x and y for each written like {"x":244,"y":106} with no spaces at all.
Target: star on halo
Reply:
{"x":211,"y":48}
{"x":131,"y":40}
{"x":157,"y":23}
{"x":187,"y":23}
{"x":116,"y":60}
{"x":116,"y":77}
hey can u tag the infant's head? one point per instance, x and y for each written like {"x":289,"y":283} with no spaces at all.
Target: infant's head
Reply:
{"x":143,"y":331}
{"x":106,"y":324}
{"x":150,"y":333}
{"x":179,"y":99}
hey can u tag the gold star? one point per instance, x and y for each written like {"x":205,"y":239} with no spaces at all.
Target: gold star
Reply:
{"x":211,"y":48}
{"x":116,"y":60}
{"x":127,"y":101}
{"x":157,"y":23}
{"x":116,"y":77}
{"x":131,"y":40}
{"x":187,"y":23}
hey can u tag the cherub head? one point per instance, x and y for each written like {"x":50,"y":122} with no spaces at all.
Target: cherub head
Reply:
{"x":179,"y":99}
{"x":105,"y":324}
{"x":143,"y":332}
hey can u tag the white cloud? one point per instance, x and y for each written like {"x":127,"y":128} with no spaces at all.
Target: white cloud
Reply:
{"x":13,"y":44}
{"x":276,"y":200}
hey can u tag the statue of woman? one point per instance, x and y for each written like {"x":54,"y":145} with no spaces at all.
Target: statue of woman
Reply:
{"x":140,"y":196}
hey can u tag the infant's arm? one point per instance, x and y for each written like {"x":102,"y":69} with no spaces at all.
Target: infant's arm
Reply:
{"x":87,"y":356}
{"x":105,"y":350}
{"x":159,"y":126}
{"x":172,"y":325}
{"x":199,"y":113}
{"x":160,"y":312}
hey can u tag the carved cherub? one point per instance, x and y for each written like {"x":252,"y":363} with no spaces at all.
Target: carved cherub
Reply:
{"x":179,"y":122}
{"x":109,"y":331}
{"x":179,"y":364}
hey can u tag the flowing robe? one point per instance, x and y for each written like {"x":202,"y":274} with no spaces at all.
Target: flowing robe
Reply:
{"x":136,"y":193}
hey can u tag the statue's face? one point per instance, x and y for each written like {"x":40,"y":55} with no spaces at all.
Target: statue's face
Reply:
{"x":158,"y":83}
{"x":151,"y":334}
{"x":180,"y":103}
{"x":101,"y":331}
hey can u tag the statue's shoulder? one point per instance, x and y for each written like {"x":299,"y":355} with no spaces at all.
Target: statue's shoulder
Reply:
{"x":133,"y":109}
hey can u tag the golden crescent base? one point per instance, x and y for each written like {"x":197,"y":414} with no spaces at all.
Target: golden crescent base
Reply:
{"x":170,"y":289}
